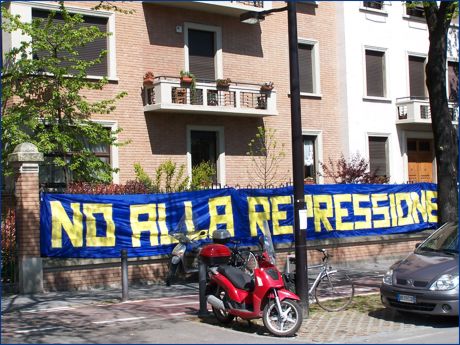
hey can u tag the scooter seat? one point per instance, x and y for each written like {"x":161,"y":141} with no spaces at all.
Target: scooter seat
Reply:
{"x":238,"y":278}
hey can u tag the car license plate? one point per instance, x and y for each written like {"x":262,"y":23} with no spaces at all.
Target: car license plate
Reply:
{"x":405,"y":298}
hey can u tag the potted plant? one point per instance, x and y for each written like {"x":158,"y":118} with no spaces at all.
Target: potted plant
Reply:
{"x":148,"y":78}
{"x":223,"y":83}
{"x":268,"y":86}
{"x":187,"y":78}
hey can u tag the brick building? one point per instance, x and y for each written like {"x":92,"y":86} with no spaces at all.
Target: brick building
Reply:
{"x":166,"y":120}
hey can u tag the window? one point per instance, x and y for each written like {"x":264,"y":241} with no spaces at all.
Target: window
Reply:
{"x":201,"y":48}
{"x":417,"y":77}
{"x":309,"y":149}
{"x":375,"y":73}
{"x":206,"y":144}
{"x":452,"y":71}
{"x":308,"y":67}
{"x":415,"y":9}
{"x":376,"y":5}
{"x":53,"y":176}
{"x":378,"y":155}
{"x":90,"y":51}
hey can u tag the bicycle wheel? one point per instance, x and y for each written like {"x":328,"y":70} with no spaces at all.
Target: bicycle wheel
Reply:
{"x":334,"y":291}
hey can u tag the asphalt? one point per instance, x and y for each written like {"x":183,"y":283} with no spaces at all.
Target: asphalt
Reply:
{"x":335,"y":327}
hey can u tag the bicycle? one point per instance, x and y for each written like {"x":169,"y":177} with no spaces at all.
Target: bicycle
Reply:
{"x":333,"y":290}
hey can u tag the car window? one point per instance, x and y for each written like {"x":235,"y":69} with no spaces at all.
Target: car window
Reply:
{"x":444,"y":240}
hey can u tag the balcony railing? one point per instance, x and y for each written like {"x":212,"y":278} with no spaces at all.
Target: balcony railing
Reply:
{"x":231,"y":8}
{"x":417,"y":110}
{"x":243,"y":99}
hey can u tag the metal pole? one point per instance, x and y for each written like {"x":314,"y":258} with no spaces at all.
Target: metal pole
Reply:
{"x":297,"y":159}
{"x":124,"y":275}
{"x":202,"y":289}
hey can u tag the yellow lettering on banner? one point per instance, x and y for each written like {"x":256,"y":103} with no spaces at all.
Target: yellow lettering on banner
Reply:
{"x":164,"y":232}
{"x":149,"y":225}
{"x":322,"y":215}
{"x":418,"y":205}
{"x":61,"y":221}
{"x":341,"y":212}
{"x":278,"y":215}
{"x":380,"y":210}
{"x":92,"y":240}
{"x":226,"y":218}
{"x":256,"y":219}
{"x":188,"y":217}
{"x":431,"y":206}
{"x":407,"y":220}
{"x":309,"y":203}
{"x":360,"y":211}
{"x":394,"y":215}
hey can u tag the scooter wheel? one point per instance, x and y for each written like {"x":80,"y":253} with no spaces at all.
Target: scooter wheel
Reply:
{"x":286,"y":323}
{"x":221,"y":315}
{"x":171,"y":275}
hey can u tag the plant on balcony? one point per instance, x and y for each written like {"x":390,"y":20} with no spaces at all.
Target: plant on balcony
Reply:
{"x":188,"y":78}
{"x":223,"y":83}
{"x":268,"y":86}
{"x":148,"y":78}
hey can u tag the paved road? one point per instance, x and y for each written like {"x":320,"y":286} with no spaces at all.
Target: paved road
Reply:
{"x":161,"y":320}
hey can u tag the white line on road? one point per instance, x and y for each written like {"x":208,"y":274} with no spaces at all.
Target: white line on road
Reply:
{"x":415,"y":336}
{"x":48,"y":310}
{"x":161,"y":298}
{"x":36,"y":330}
{"x":177,"y":304}
{"x":119,"y":320}
{"x":177,"y":314}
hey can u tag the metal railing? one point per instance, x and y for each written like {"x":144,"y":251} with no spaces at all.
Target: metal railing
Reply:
{"x":418,"y":108}
{"x":259,"y":4}
{"x":377,"y":5}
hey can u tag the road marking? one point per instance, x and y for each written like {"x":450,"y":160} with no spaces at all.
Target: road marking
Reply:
{"x":177,"y":304}
{"x":415,"y":336}
{"x":177,"y":314}
{"x":160,"y":298}
{"x":48,"y":310}
{"x":119,"y":320}
{"x":36,"y":329}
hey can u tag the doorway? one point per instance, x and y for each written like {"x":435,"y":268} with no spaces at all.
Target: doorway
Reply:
{"x":420,"y":160}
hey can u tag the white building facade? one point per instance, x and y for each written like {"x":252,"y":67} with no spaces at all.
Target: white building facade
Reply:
{"x":384,"y":100}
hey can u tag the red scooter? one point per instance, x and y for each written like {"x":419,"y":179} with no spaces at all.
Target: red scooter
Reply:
{"x":233,"y":292}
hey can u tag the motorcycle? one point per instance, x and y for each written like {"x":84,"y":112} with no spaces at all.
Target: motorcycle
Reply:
{"x":184,"y":256}
{"x":232,"y":292}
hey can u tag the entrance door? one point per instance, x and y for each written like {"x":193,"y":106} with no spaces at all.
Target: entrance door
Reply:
{"x":204,"y":148}
{"x":420,"y":160}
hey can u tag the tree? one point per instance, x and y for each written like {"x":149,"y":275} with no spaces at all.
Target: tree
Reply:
{"x":445,"y":135}
{"x":266,"y":156}
{"x":355,"y":170}
{"x":44,"y":80}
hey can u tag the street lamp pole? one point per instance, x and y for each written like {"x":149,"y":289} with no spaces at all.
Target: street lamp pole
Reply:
{"x":297,"y":145}
{"x":297,"y":160}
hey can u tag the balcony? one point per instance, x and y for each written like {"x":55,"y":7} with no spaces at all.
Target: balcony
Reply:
{"x":168,"y":94}
{"x":416,"y":111}
{"x":230,"y":8}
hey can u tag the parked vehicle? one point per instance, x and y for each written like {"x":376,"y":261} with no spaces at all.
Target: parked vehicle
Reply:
{"x":184,"y":257}
{"x":232,"y":292}
{"x":426,"y":281}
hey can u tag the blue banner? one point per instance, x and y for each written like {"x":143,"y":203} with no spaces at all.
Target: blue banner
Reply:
{"x":99,"y":226}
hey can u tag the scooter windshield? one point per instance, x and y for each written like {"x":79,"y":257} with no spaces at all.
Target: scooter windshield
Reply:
{"x":185,"y":230}
{"x":268,"y":243}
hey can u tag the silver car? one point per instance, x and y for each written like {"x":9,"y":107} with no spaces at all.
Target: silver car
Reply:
{"x":426,"y":281}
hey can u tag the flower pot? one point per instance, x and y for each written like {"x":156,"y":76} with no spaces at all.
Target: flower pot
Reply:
{"x":149,"y":78}
{"x":186,"y":80}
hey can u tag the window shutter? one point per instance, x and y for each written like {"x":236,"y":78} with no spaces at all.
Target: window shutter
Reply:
{"x":90,"y":51}
{"x":306,"y":68}
{"x":378,"y":155}
{"x":374,"y":73}
{"x":453,"y":80}
{"x":417,"y":76}
{"x":201,"y":54}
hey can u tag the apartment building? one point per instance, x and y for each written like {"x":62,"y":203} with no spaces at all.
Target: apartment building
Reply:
{"x":384,"y":47}
{"x":165,"y":118}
